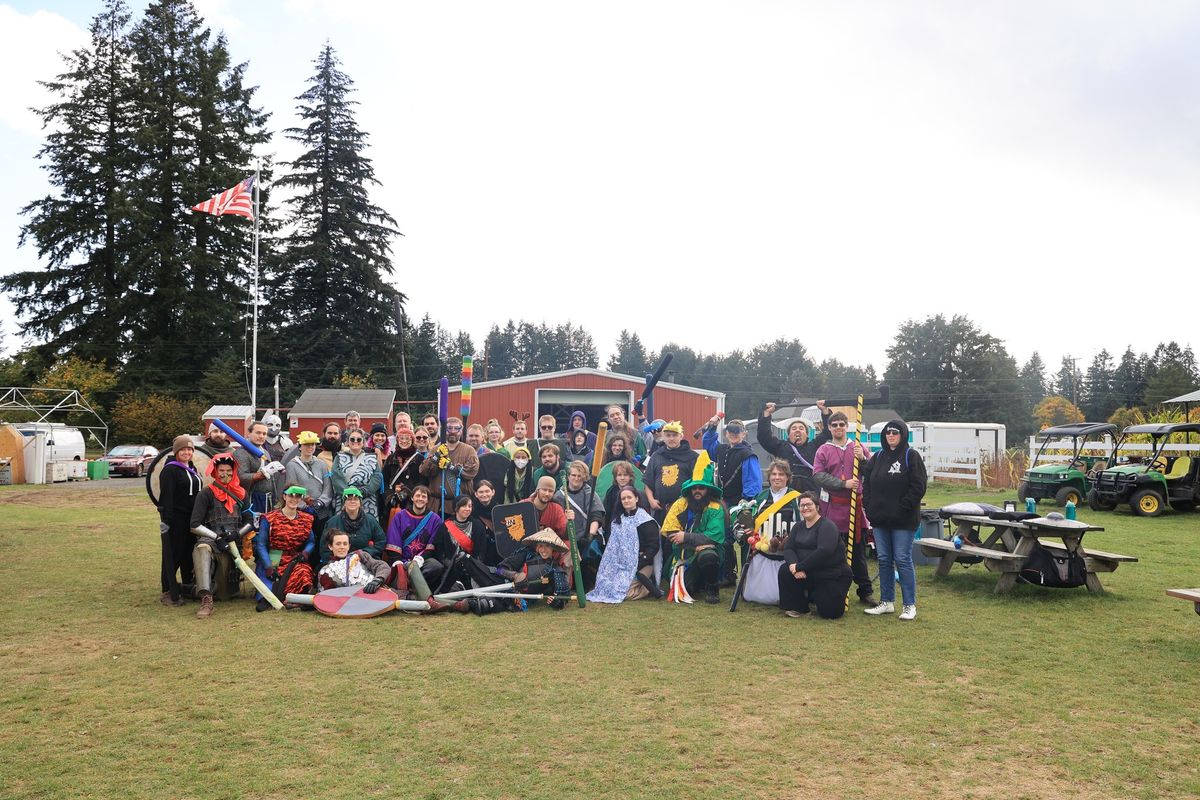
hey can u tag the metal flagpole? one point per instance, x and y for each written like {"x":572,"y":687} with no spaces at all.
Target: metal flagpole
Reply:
{"x":254,"y":348}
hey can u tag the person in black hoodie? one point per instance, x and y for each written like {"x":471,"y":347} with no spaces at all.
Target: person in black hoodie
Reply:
{"x":814,"y":569}
{"x":894,"y":482}
{"x":667,"y":469}
{"x":799,"y":451}
{"x":179,"y":484}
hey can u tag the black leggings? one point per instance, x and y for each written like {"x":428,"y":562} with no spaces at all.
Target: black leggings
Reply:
{"x":177,"y":544}
{"x":827,"y":594}
{"x":702,"y":573}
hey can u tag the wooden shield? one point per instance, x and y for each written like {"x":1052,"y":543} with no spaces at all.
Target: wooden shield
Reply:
{"x":200,"y":461}
{"x":493,"y":467}
{"x":512,"y":523}
{"x":351,"y":602}
{"x":604,"y":480}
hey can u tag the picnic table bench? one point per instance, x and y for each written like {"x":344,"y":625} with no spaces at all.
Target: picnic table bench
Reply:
{"x":1192,"y":595}
{"x":1010,"y":544}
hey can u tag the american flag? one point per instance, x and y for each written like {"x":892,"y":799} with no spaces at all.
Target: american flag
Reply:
{"x":231,"y":201}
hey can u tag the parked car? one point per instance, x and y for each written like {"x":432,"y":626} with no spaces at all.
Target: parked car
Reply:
{"x":130,"y":459}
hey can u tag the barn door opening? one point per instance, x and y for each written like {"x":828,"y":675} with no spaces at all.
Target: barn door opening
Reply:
{"x":562,"y":402}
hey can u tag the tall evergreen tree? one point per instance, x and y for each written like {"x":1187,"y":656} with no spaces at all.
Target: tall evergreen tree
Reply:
{"x":630,"y":358}
{"x":1068,"y":381}
{"x":330,"y":277}
{"x":197,"y":132}
{"x":500,"y":352}
{"x":1033,"y":379}
{"x":1099,"y":400}
{"x":1129,"y":379}
{"x":79,"y":304}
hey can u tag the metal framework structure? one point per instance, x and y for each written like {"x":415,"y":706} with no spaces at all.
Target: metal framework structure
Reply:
{"x":44,"y":403}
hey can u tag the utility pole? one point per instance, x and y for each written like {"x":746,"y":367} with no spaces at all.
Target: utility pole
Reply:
{"x":275,"y":410}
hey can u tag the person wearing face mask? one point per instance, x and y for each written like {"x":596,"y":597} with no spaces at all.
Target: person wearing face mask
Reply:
{"x":219,"y":509}
{"x":453,"y":467}
{"x":277,"y":442}
{"x":799,"y":451}
{"x":356,"y":467}
{"x":518,"y":481}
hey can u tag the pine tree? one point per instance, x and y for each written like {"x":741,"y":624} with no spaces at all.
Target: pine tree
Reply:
{"x":1033,"y":379}
{"x":1099,"y":400}
{"x":630,"y":357}
{"x":1129,"y":379}
{"x":197,"y":132}
{"x":1068,"y":381}
{"x":79,"y":304}
{"x":330,"y":279}
{"x":500,"y":352}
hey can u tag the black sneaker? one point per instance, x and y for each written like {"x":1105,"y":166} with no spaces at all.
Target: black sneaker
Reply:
{"x":712,"y":596}
{"x":262,"y":604}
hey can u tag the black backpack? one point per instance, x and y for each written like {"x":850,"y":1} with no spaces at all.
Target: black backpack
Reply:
{"x":1054,"y":568}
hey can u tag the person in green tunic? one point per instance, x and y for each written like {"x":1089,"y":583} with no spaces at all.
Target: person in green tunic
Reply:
{"x":695,"y":525}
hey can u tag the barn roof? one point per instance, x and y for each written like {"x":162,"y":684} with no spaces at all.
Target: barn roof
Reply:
{"x":599,"y":373}
{"x":336,"y":402}
{"x":237,"y":412}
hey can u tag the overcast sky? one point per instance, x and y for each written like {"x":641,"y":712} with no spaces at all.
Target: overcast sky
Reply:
{"x":725,"y":173}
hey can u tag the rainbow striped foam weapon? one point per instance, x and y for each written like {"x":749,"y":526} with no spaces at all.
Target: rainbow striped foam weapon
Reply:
{"x":464,"y":407}
{"x":678,"y":592}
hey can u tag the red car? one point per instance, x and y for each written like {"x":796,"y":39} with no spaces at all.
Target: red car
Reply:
{"x":130,"y":459}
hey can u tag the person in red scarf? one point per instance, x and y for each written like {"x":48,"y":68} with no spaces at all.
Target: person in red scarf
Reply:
{"x":219,"y":508}
{"x":283,"y":545}
{"x":457,"y":536}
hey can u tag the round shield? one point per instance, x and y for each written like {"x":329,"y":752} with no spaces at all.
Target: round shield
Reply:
{"x":604,"y":480}
{"x":200,"y":461}
{"x":351,"y":602}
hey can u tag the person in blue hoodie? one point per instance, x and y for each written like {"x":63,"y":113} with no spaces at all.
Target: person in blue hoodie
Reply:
{"x":739,"y":476}
{"x":894,"y":481}
{"x":578,"y":422}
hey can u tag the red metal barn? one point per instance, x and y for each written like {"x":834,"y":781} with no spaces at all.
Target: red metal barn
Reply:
{"x":587,"y":390}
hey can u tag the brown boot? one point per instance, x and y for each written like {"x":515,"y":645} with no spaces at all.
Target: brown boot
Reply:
{"x":437,"y":606}
{"x":206,"y":606}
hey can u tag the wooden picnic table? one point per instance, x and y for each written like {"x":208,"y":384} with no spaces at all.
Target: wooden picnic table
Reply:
{"x":1191,"y":595}
{"x":1010,"y":544}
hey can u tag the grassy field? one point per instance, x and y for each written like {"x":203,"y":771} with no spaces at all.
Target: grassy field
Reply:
{"x":1042,"y":693}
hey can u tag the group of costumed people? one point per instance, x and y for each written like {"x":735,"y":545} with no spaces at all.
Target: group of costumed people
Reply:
{"x":412,"y":510}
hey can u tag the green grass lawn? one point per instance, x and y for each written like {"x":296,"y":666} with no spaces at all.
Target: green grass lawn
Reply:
{"x":1041,"y":693}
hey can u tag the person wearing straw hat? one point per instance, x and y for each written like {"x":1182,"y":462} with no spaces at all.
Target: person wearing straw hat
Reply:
{"x":695,"y":524}
{"x":538,"y":564}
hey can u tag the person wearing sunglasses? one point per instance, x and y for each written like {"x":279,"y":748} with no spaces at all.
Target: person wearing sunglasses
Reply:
{"x":546,"y":427}
{"x":833,"y":471}
{"x":452,"y":467}
{"x":357,"y":467}
{"x":893,"y":484}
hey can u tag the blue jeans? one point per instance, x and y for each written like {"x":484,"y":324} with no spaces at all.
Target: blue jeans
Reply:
{"x":894,"y":548}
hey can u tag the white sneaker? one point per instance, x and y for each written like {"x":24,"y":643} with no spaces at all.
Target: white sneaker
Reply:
{"x":882,"y":608}
{"x":908,"y":612}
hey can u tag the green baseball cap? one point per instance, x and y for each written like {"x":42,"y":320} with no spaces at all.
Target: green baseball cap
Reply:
{"x":300,"y":490}
{"x":352,"y":491}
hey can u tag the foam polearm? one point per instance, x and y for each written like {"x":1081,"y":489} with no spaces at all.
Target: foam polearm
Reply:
{"x":854,"y":493}
{"x":652,"y":381}
{"x":251,"y":448}
{"x":443,"y":406}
